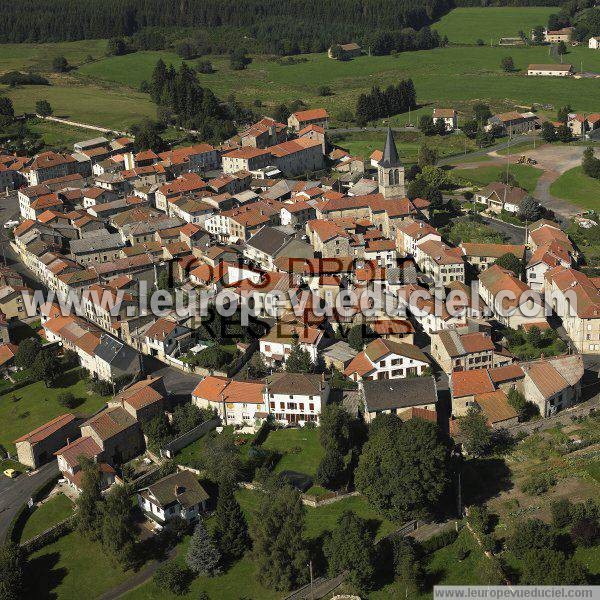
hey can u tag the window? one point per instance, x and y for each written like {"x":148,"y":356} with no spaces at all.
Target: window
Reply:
{"x":282,"y":405}
{"x":291,"y":406}
{"x":301,"y":405}
{"x":272,"y":405}
{"x":311,"y":407}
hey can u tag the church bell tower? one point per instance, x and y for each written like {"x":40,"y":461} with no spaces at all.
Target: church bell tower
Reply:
{"x":390,"y":172}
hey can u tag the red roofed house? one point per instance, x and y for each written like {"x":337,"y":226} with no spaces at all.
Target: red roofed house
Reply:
{"x":301,"y":119}
{"x":387,"y":359}
{"x":465,"y":386}
{"x":246,"y":159}
{"x":144,"y":399}
{"x":237,"y":402}
{"x":70,"y":466}
{"x":166,"y":338}
{"x":38,"y":446}
{"x":456,"y":351}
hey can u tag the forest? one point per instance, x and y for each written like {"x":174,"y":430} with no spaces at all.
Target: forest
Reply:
{"x":274,"y":26}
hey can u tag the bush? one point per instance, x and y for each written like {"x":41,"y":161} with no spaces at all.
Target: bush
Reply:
{"x":441,"y":540}
{"x":562,"y":513}
{"x":172,"y":578}
{"x":480,"y":519}
{"x":538,"y":484}
{"x":103,"y":388}
{"x":585,"y":532}
{"x":67,"y":399}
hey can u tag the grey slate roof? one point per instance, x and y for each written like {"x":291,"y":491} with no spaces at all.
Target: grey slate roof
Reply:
{"x":97,"y":243}
{"x":115,"y":353}
{"x":390,"y":152}
{"x":387,"y":394}
{"x":268,"y":240}
{"x":181,"y":487}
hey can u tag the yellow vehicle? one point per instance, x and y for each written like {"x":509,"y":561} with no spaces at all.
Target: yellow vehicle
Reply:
{"x":11,"y":473}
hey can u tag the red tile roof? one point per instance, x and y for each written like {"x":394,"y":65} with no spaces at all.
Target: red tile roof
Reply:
{"x":47,"y":429}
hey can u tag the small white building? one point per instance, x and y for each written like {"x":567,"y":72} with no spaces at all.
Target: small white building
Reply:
{"x":448,"y":116}
{"x":176,"y":495}
{"x":594,"y":43}
{"x":550,"y":70}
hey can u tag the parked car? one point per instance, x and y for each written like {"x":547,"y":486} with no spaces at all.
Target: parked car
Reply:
{"x":11,"y":473}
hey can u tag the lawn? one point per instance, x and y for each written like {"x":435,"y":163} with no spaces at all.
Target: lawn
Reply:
{"x":36,"y":404}
{"x":58,"y":135}
{"x":72,"y":568}
{"x":299,"y":448}
{"x":526,"y":176}
{"x":576,"y":187}
{"x":363,"y":143}
{"x":86,"y":103}
{"x":105,"y":90}
{"x":467,"y":25}
{"x":53,"y":511}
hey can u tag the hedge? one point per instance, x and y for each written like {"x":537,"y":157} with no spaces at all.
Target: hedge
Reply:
{"x":441,"y":540}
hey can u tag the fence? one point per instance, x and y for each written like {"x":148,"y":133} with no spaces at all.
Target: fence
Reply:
{"x":50,"y":535}
{"x":187,"y":438}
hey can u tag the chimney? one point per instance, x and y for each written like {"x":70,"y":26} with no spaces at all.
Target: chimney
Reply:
{"x":179,"y":489}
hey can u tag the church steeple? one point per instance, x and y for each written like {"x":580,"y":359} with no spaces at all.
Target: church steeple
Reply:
{"x":390,"y":152}
{"x":390,"y":172}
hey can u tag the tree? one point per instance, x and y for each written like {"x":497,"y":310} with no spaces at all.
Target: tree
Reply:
{"x":426,"y":125}
{"x":202,"y":557}
{"x":279,"y":548}
{"x":172,"y":577}
{"x":481,"y":112}
{"x":185,"y":50}
{"x":67,"y":399}
{"x":324,"y":90}
{"x":562,"y":512}
{"x":524,"y":408}
{"x":45,"y":367}
{"x":477,"y":434}
{"x":532,"y":534}
{"x":89,"y":502}
{"x":590,"y":164}
{"x":511,"y":262}
{"x":147,"y":136}
{"x":538,"y":34}
{"x":508,"y":64}
{"x":118,"y":537}
{"x":549,"y":132}
{"x":585,"y":532}
{"x":480,"y":519}
{"x":565,"y":135}
{"x":257,"y":368}
{"x":403,"y":469}
{"x":530,"y":210}
{"x":238,"y":60}
{"x":563,"y":113}
{"x":298,"y":360}
{"x":358,"y":335}
{"x":186,"y":417}
{"x":281,"y":113}
{"x":43,"y":108}
{"x":204,"y":67}
{"x":117,"y":47}
{"x":221,"y":458}
{"x":427,"y":156}
{"x":231,"y":529}
{"x":12,"y":562}
{"x":331,"y":470}
{"x":158,"y":431}
{"x":407,"y":566}
{"x":561,"y":48}
{"x":60,"y":64}
{"x":544,"y":566}
{"x":350,"y":547}
{"x":27,"y":352}
{"x":7,"y":111}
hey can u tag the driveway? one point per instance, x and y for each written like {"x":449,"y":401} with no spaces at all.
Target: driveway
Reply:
{"x":515,"y":235}
{"x":18,"y":492}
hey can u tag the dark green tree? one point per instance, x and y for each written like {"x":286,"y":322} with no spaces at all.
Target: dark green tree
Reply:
{"x":89,"y":503}
{"x":508,"y":64}
{"x":298,"y":360}
{"x":350,"y":547}
{"x":45,"y":367}
{"x":279,"y":548}
{"x":476,"y":432}
{"x":549,"y":132}
{"x":172,"y":577}
{"x":426,"y":125}
{"x":404,"y":471}
{"x":27,"y":352}
{"x":118,"y":537}
{"x":407,"y":565}
{"x":545,"y":566}
{"x":221,"y":458}
{"x":562,"y":512}
{"x":116,"y":47}
{"x":12,"y":572}
{"x":564,"y":134}
{"x":202,"y":557}
{"x":561,"y":48}
{"x":359,"y":335}
{"x":60,"y":64}
{"x":532,"y":534}
{"x":530,"y":210}
{"x":43,"y":108}
{"x":511,"y":262}
{"x":67,"y":399}
{"x":231,"y":529}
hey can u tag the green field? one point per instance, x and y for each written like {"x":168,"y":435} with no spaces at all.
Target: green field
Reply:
{"x":71,"y":568}
{"x":36,"y":404}
{"x":578,"y":188}
{"x":526,"y":176}
{"x":467,"y":25}
{"x":299,"y":448}
{"x":53,"y":511}
{"x":363,"y":143}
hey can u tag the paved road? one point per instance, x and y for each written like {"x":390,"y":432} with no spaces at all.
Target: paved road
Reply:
{"x":15,"y":495}
{"x":516,"y":235}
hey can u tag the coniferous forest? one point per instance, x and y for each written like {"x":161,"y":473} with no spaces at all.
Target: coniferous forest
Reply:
{"x":273,"y":26}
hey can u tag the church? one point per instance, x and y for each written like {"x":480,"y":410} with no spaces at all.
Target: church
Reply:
{"x":390,"y":171}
